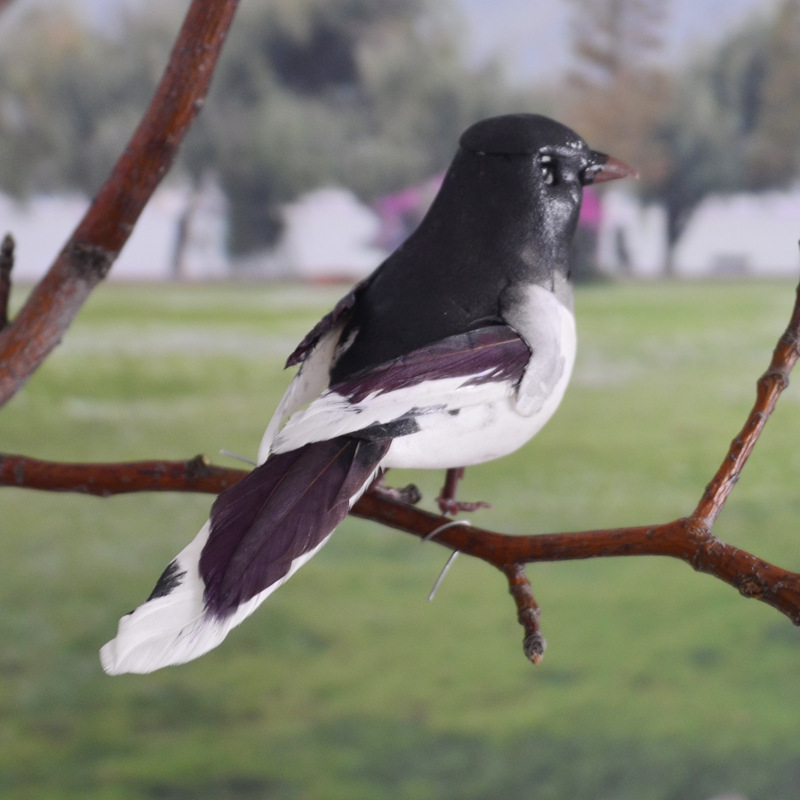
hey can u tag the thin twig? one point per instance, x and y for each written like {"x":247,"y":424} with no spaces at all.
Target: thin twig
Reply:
{"x":94,"y":245}
{"x":769,"y":388}
{"x":528,"y":612}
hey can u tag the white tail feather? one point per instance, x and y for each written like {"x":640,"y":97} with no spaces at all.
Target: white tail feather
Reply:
{"x":174,"y":628}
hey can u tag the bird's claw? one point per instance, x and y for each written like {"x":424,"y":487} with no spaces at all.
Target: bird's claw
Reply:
{"x":407,"y":494}
{"x":447,"y":498}
{"x":449,"y":506}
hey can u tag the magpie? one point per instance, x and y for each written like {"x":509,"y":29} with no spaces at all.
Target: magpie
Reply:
{"x":455,"y":351}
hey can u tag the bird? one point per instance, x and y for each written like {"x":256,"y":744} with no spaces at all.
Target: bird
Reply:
{"x":455,"y":351}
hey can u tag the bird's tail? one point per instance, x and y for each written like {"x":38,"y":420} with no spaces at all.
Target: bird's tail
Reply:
{"x":261,"y":531}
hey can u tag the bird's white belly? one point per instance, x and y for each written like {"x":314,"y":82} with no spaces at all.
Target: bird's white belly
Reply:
{"x":473,"y":436}
{"x":483,"y":432}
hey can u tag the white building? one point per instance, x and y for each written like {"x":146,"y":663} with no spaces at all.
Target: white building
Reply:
{"x":727,"y":235}
{"x":329,"y":235}
{"x":42,"y":224}
{"x":743,"y":234}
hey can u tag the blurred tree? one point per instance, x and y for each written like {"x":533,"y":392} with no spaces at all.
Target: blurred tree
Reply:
{"x":616,"y":91}
{"x":366,"y":93}
{"x":616,"y":88}
{"x":371,"y":94}
{"x":734,"y":120}
{"x":69,"y":99}
{"x":728,"y":121}
{"x":772,"y":122}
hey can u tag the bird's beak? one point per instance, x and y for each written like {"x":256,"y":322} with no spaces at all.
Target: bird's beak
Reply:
{"x":607,"y":168}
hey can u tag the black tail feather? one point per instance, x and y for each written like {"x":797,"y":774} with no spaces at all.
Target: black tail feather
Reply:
{"x":278,"y":513}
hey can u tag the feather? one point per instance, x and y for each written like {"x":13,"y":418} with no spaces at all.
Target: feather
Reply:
{"x":333,"y":319}
{"x":492,"y":353}
{"x":311,"y":379}
{"x":279,"y":511}
{"x":163,"y":630}
{"x":475,"y":368}
{"x":261,"y":531}
{"x":548,"y":328}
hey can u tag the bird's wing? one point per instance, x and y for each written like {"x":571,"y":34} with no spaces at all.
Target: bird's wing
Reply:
{"x":334,"y":318}
{"x":310,"y":381}
{"x":468,"y":369}
{"x":315,"y":354}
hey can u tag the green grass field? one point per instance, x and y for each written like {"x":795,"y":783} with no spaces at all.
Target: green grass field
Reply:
{"x":658,"y":684}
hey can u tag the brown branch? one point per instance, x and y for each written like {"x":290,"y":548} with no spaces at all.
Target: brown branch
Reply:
{"x":680,"y":539}
{"x":94,"y":245}
{"x":528,"y":612}
{"x":689,"y":539}
{"x":103,"y":480}
{"x":769,"y":387}
{"x":683,"y":538}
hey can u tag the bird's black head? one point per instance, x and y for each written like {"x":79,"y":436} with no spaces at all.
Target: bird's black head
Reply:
{"x":508,"y":207}
{"x":551,"y":149}
{"x":541,"y":166}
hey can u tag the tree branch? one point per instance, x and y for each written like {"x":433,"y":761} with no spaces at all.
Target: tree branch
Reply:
{"x":769,"y":388}
{"x":103,"y":480}
{"x":94,"y":245}
{"x":681,"y":539}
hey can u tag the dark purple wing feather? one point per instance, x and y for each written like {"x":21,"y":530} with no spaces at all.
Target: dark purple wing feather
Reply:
{"x":327,"y":323}
{"x":493,"y":353}
{"x":278,"y":512}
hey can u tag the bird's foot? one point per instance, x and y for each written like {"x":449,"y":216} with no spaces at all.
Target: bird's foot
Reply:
{"x":446,"y":500}
{"x":407,"y":494}
{"x":449,"y":506}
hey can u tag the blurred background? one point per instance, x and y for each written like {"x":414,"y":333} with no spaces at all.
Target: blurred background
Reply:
{"x":323,"y":140}
{"x":329,"y":124}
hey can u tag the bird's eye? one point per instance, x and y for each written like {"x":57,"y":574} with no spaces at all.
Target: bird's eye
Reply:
{"x":548,"y":168}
